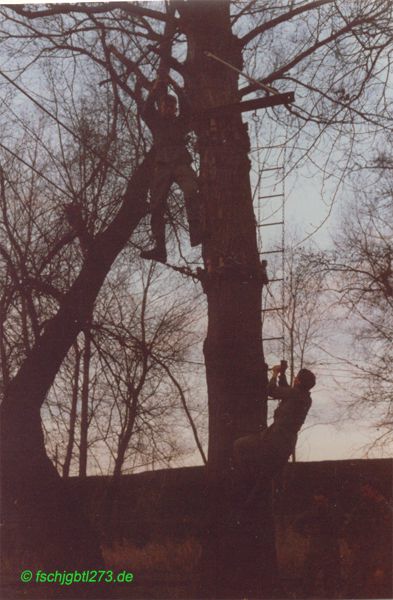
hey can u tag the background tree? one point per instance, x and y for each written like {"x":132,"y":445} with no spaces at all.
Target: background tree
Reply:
{"x":25,"y":466}
{"x":362,"y":271}
{"x":346,"y":48}
{"x":61,"y":421}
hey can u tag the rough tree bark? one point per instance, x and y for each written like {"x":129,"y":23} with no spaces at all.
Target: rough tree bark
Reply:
{"x":34,"y":497}
{"x":83,"y":446}
{"x":111,"y":493}
{"x":239,"y":557}
{"x":73,"y":412}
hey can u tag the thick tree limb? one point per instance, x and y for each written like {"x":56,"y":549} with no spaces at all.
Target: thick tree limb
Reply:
{"x":319,"y":44}
{"x":281,"y":19}
{"x":172,"y":62}
{"x":62,"y":9}
{"x":38,"y":371}
{"x":130,"y":65}
{"x":44,"y":287}
{"x":56,"y":248}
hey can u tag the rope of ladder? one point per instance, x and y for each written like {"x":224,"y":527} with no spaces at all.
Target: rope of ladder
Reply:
{"x":260,"y":170}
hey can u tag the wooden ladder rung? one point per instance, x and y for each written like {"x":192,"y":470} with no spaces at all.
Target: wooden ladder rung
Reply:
{"x":270,"y":224}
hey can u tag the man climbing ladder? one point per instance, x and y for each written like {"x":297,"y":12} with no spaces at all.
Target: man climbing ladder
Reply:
{"x":260,"y":456}
{"x":172,"y":164}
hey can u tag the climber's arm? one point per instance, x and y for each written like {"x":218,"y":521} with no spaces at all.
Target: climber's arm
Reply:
{"x":282,"y":391}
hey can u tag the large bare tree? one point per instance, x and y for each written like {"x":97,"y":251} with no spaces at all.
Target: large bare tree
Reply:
{"x":336,"y":55}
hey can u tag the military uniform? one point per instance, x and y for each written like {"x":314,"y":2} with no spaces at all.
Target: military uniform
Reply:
{"x":265,"y":453}
{"x":172,"y":164}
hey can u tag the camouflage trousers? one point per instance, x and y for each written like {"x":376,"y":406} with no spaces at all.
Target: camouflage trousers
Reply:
{"x":165,"y":174}
{"x":264,"y":453}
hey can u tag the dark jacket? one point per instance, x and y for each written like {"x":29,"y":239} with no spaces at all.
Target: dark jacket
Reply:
{"x":169,"y":133}
{"x":293,"y":408}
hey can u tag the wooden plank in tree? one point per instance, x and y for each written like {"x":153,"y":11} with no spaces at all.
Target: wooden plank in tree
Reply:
{"x":249,"y":105}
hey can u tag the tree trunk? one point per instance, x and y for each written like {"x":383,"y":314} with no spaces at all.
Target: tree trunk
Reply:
{"x":73,"y":413}
{"x":85,"y":404}
{"x":37,"y":508}
{"x":239,"y":557}
{"x":113,"y":485}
